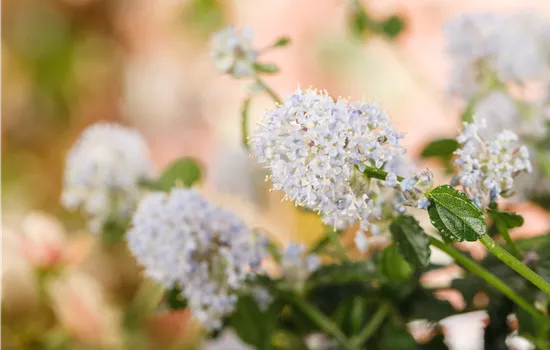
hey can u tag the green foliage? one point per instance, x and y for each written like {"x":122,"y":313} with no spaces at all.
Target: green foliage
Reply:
{"x":442,"y":148}
{"x":509,"y":220}
{"x":281,"y":42}
{"x":411,"y":240}
{"x":396,"y":337}
{"x":344,"y":274}
{"x":174,"y":299}
{"x":394,"y":266}
{"x":392,"y":26}
{"x":422,"y":304}
{"x":204,"y":15}
{"x":253,"y":325}
{"x":182,"y":172}
{"x":268,"y":68}
{"x":455,"y":215}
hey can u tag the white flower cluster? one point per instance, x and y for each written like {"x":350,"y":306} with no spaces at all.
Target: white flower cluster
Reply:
{"x":183,"y":240}
{"x":102,"y":172}
{"x":488,"y":167}
{"x":233,"y":52}
{"x":488,"y":48}
{"x":316,"y":149}
{"x":296,"y":266}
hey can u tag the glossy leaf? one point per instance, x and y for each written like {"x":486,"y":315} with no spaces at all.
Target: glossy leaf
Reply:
{"x":455,"y":215}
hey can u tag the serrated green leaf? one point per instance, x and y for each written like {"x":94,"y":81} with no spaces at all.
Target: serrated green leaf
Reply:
{"x":440,"y":148}
{"x":282,"y":41}
{"x":343,"y":274}
{"x":266,"y":68}
{"x":394,"y":266}
{"x":411,"y":240}
{"x":184,"y":171}
{"x":511,"y":220}
{"x":455,"y":215}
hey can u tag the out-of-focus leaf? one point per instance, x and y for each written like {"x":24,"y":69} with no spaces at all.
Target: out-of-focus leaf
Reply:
{"x":455,"y":215}
{"x":396,"y":337}
{"x":394,"y":266}
{"x":497,"y":330}
{"x":411,"y":240}
{"x":268,"y":68}
{"x":252,"y":325}
{"x":174,"y":299}
{"x":343,"y":274}
{"x":422,"y":304}
{"x":440,"y":148}
{"x":205,"y":15}
{"x":282,"y":41}
{"x":184,"y":171}
{"x":393,"y":26}
{"x":510,"y":220}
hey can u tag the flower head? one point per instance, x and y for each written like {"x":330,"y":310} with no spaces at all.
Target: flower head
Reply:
{"x":488,"y":167}
{"x":316,"y":148}
{"x":233,"y":52}
{"x":102,"y":172}
{"x":182,"y":239}
{"x":297,"y":266}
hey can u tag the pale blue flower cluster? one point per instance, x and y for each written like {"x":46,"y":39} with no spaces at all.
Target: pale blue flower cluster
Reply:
{"x":102,"y":172}
{"x":488,"y":48}
{"x":183,"y":240}
{"x":233,"y":52}
{"x":488,"y":167}
{"x":316,"y":149}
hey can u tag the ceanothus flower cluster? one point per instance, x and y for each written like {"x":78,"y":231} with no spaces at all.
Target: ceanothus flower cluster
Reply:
{"x":102,"y":172}
{"x":488,"y":167}
{"x":297,"y":266}
{"x":183,"y":240}
{"x":316,"y":149}
{"x":233,"y":52}
{"x":488,"y":48}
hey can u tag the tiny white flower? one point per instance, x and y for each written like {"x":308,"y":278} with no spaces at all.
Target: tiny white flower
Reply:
{"x":183,"y":240}
{"x":102,"y":172}
{"x":233,"y":52}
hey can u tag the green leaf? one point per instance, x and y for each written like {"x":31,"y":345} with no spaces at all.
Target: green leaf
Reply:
{"x":266,"y":68}
{"x":393,"y":266}
{"x":184,"y":171}
{"x":511,"y":220}
{"x":252,"y":325}
{"x":396,"y":337}
{"x":359,"y":22}
{"x":455,"y":215}
{"x":343,"y":274}
{"x":282,"y":41}
{"x":422,"y":304}
{"x":174,"y":299}
{"x":393,"y":26}
{"x":411,"y":240}
{"x":440,"y":148}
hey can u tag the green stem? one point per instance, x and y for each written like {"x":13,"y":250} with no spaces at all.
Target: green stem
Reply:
{"x":378,"y":173}
{"x":244,"y":123}
{"x":488,"y":277}
{"x":503,"y":231}
{"x":372,"y":326}
{"x":323,"y":322}
{"x":337,"y":245}
{"x":269,"y":91}
{"x":515,"y":264}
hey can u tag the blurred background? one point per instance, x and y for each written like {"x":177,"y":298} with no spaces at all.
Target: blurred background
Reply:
{"x":69,"y":63}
